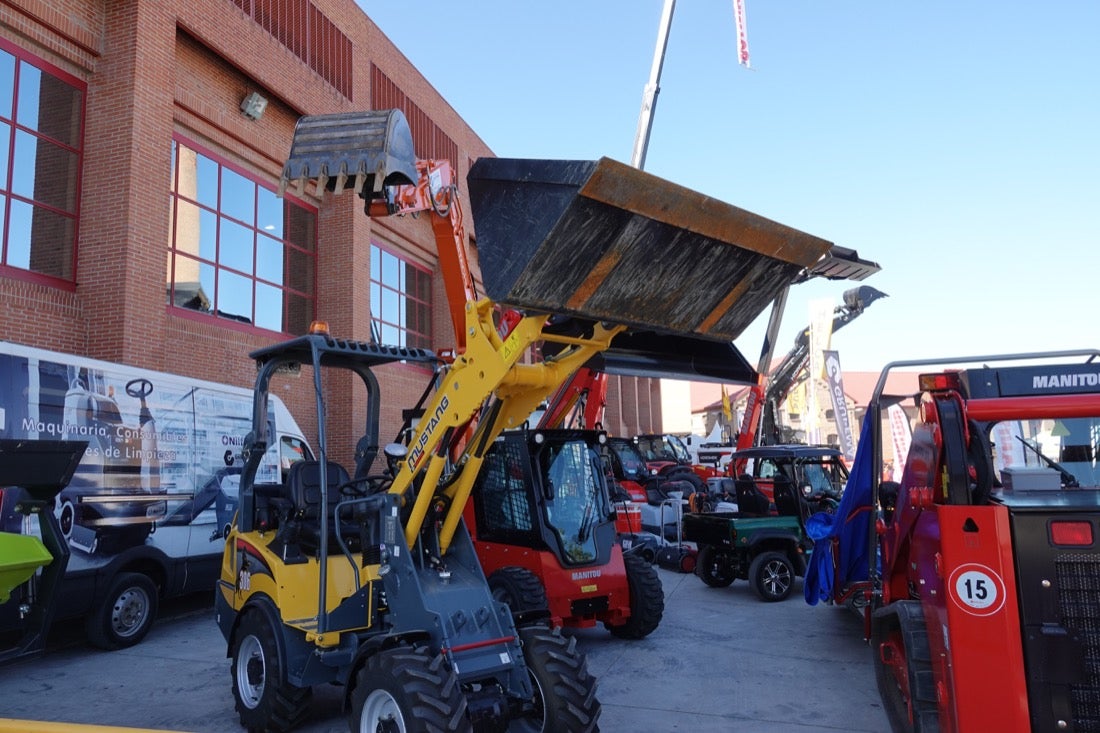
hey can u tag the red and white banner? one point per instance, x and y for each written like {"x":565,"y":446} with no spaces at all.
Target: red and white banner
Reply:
{"x":902,"y":435}
{"x":742,"y":33}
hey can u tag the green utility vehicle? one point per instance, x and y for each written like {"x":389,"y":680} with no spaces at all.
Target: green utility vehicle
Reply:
{"x":764,"y":541}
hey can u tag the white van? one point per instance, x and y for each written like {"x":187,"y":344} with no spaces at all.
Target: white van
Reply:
{"x":146,"y":510}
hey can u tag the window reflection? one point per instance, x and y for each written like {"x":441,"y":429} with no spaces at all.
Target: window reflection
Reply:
{"x":44,"y":156}
{"x":237,"y":250}
{"x":400,"y":300}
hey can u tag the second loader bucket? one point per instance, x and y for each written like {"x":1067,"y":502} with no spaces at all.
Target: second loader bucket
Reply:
{"x":364,"y":151}
{"x":603,"y":241}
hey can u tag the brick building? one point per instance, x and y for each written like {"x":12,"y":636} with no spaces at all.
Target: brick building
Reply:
{"x":140,"y":221}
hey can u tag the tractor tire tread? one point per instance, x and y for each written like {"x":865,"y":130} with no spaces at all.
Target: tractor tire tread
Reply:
{"x":570,"y":702}
{"x":432,"y":693}
{"x":521,"y":589}
{"x":647,"y":600}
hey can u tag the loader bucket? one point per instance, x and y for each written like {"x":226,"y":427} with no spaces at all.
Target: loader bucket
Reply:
{"x":364,"y":151}
{"x":603,"y":241}
{"x":21,"y":555}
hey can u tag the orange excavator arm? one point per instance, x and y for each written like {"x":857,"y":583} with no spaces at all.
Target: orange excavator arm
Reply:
{"x":436,"y":191}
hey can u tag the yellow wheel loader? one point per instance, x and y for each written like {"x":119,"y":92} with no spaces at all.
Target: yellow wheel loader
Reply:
{"x":366,"y":577}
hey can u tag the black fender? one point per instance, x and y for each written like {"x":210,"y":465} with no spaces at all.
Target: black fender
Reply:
{"x":371,"y":645}
{"x":261,"y":603}
{"x":779,"y":541}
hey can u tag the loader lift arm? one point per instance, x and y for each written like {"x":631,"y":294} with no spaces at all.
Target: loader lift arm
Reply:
{"x":436,"y":191}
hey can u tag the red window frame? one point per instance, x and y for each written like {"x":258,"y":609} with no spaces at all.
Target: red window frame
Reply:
{"x":304,"y":252}
{"x":10,"y":119}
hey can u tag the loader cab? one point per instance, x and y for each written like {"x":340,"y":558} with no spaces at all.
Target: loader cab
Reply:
{"x":546,"y":490}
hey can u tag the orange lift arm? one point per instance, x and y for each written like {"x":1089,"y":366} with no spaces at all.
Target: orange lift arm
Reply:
{"x":437,"y":192}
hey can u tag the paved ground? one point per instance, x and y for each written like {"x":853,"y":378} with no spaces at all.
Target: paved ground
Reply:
{"x":721,"y":661}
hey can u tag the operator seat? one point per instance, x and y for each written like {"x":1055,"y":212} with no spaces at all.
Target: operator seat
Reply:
{"x":750,"y":499}
{"x":303,"y":485}
{"x":787,"y":501}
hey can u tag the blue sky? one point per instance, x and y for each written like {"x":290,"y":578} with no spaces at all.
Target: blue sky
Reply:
{"x":955,"y":143}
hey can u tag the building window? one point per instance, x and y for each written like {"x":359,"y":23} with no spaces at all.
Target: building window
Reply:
{"x":237,"y":250}
{"x":41,"y":154}
{"x":400,"y":300}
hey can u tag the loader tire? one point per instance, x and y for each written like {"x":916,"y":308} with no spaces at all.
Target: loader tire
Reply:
{"x":519,"y":588}
{"x":565,"y":693}
{"x":647,"y":600}
{"x":899,"y":628}
{"x":265,"y":702}
{"x":125,"y":614}
{"x":408,"y":690}
{"x":772,"y":576}
{"x":715,"y":568}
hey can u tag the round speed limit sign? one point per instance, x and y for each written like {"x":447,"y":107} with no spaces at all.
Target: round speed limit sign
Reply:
{"x":977,"y":589}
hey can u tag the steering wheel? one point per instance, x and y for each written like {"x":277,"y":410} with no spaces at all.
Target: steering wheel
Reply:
{"x":139,"y":387}
{"x":358,"y":488}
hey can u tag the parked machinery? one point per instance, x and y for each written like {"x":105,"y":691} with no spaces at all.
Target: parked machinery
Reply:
{"x":368,"y":578}
{"x":33,"y":551}
{"x":980,"y":568}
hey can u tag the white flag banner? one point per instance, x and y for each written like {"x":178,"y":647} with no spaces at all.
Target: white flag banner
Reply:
{"x":742,"y":33}
{"x":821,"y":334}
{"x":901,"y":434}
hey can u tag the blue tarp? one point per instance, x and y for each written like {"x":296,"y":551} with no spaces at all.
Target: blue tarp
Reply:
{"x":850,"y":525}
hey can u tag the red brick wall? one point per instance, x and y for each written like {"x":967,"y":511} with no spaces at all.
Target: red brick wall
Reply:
{"x":176,"y":66}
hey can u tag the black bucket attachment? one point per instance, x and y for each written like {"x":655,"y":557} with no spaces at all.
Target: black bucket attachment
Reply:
{"x":603,"y":241}
{"x":41,"y":467}
{"x":368,"y":149}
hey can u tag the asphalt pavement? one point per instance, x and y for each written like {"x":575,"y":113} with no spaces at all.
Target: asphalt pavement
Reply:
{"x":720,"y":661}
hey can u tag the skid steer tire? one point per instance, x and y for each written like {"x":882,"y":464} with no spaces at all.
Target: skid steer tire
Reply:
{"x":263,"y":700}
{"x":647,"y":600}
{"x":772,"y":576}
{"x":408,"y":690}
{"x":715,"y":568}
{"x":565,"y":693}
{"x":900,"y":626}
{"x":125,"y":614}
{"x":518,"y":588}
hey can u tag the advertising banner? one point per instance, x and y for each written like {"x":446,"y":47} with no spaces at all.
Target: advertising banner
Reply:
{"x":901,"y":434}
{"x":835,"y":381}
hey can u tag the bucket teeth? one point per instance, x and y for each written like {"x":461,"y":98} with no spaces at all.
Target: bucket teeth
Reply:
{"x":377,"y":145}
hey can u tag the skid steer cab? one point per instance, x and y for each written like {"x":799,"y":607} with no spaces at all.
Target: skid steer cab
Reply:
{"x":544,"y":529}
{"x":362,"y":573}
{"x":983,"y":560}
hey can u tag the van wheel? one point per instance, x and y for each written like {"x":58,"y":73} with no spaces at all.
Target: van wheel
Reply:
{"x":263,"y":700}
{"x":125,"y":614}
